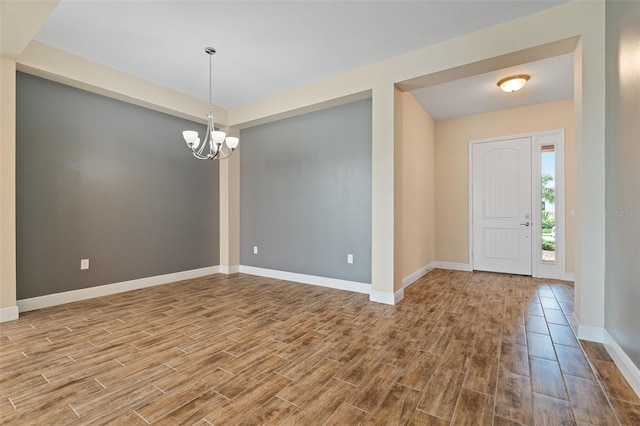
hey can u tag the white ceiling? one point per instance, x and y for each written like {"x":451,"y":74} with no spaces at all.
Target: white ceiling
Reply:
{"x":268,"y":47}
{"x":551,"y":80}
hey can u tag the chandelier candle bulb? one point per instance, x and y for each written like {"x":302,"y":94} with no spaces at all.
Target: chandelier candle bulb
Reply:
{"x":214,"y":140}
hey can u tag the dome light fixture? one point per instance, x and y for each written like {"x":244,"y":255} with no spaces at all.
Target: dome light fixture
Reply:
{"x":216,"y":145}
{"x":513,"y":83}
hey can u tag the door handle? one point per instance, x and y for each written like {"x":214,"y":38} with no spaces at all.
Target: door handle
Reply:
{"x":525,"y":224}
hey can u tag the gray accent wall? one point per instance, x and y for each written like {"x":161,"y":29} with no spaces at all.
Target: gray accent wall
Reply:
{"x":107,"y":181}
{"x":622,"y":156}
{"x":305,"y":193}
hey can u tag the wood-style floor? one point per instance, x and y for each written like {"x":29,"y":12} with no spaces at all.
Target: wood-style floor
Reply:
{"x":462,"y":348}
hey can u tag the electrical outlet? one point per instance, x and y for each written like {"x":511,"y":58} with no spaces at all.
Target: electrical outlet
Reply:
{"x":255,"y":249}
{"x":84,"y":264}
{"x":349,"y":258}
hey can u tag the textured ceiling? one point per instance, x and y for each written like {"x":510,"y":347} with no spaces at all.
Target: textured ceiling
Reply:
{"x":264,"y":47}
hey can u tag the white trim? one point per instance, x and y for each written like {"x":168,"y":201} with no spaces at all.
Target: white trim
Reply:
{"x":48,"y":300}
{"x":411,"y":278}
{"x":628,"y":369}
{"x":569,"y":276}
{"x":386,"y":298}
{"x":541,"y":269}
{"x":573,"y":321}
{"x":588,"y":332}
{"x":600,"y":335}
{"x":452,"y":266}
{"x":353,"y":286}
{"x":233,"y":269}
{"x":470,"y":208}
{"x":8,"y":314}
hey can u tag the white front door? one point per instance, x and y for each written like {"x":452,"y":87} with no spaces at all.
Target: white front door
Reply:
{"x":501,"y":204}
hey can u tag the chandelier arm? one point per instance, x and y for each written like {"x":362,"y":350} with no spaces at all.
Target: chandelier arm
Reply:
{"x":202,"y":147}
{"x":222,"y":156}
{"x":214,"y":151}
{"x":197,"y":152}
{"x":199,"y":157}
{"x":206,"y":143}
{"x":213,"y":148}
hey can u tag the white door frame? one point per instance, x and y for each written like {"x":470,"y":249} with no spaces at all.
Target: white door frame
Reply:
{"x":538,"y":139}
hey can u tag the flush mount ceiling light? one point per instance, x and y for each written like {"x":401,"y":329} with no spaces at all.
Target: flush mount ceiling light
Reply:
{"x":513,"y":83}
{"x":216,"y":145}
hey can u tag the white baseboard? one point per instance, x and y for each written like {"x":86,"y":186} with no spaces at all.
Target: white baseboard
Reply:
{"x":410,"y":279}
{"x":233,"y":269}
{"x":600,"y":335}
{"x":568,"y":276}
{"x":386,"y":298}
{"x":9,"y":314}
{"x":589,"y":332}
{"x":48,"y":300}
{"x":574,"y":323}
{"x":452,"y":266}
{"x":353,"y":286}
{"x":628,"y":369}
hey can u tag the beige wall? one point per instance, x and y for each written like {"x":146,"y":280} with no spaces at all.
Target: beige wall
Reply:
{"x":19,"y":23}
{"x":452,"y":168}
{"x":418,"y":186}
{"x":7,"y":184}
{"x":229,"y":203}
{"x":398,"y":175}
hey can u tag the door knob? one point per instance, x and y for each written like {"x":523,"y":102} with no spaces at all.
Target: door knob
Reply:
{"x":525,"y":224}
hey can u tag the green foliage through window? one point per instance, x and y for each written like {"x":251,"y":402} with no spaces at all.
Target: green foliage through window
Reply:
{"x":548,"y":192}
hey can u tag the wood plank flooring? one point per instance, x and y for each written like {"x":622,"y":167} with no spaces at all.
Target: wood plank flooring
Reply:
{"x":462,"y":348}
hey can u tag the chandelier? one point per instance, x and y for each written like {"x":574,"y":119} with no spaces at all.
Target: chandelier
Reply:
{"x":216,"y":145}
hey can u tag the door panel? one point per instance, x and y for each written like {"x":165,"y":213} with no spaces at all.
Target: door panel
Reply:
{"x":501,"y":185}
